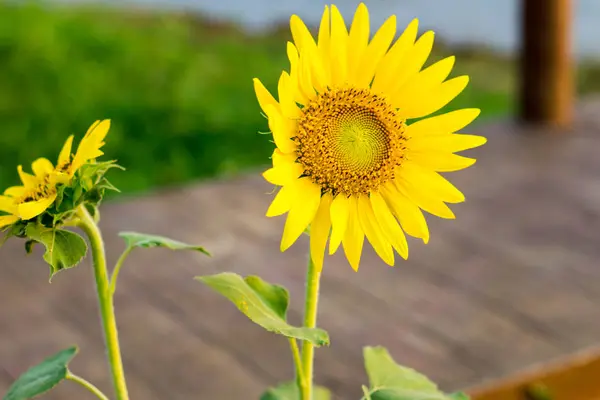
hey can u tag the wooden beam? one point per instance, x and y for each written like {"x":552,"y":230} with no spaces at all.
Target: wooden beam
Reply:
{"x":572,"y":377}
{"x":546,"y":87}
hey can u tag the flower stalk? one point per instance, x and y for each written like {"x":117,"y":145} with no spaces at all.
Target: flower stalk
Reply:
{"x":105,"y":300}
{"x":313,"y":278}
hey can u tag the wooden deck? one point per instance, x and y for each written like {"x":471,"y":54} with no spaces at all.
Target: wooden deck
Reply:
{"x":515,"y":280}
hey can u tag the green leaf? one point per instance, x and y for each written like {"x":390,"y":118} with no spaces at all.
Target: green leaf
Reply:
{"x":17,"y":230}
{"x":289,"y":391}
{"x":29,"y":246}
{"x":538,"y":391}
{"x":402,"y":394}
{"x":134,"y":239}
{"x":41,"y":378}
{"x":105,"y":184}
{"x":458,"y":396}
{"x":265,"y":304}
{"x":390,"y":381}
{"x":92,"y":173}
{"x":64,"y":249}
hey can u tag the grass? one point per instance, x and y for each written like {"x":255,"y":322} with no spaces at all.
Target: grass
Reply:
{"x":178,"y":89}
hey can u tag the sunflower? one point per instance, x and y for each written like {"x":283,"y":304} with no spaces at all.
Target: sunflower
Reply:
{"x":39,"y":191}
{"x":348,"y":161}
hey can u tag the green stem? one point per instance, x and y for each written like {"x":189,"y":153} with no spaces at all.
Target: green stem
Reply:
{"x":297,"y":364}
{"x":313,"y":277}
{"x":115,"y":273}
{"x":105,"y":300}
{"x":86,"y":384}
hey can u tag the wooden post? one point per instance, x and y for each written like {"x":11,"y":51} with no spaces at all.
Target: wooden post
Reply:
{"x":546,"y":87}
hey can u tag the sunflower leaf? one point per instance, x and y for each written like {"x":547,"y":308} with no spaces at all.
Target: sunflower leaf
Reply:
{"x":264,"y":303}
{"x":289,"y":391}
{"x":134,"y":239}
{"x":391,"y":381}
{"x":91,"y":173}
{"x":42,"y":377}
{"x":64,"y":249}
{"x":458,"y":396}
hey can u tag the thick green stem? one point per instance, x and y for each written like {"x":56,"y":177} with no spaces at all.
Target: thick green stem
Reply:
{"x":105,"y":300}
{"x":313,"y":277}
{"x":93,"y":389}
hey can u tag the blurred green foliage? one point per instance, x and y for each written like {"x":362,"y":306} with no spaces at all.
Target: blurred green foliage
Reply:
{"x":177,"y":87}
{"x":179,"y":93}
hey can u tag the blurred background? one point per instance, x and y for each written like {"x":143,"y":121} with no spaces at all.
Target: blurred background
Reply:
{"x":511,"y":283}
{"x":175,"y":76}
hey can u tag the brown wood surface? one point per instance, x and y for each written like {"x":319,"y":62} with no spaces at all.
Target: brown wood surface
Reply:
{"x":513,"y":281}
{"x":547,"y":81}
{"x":573,"y":377}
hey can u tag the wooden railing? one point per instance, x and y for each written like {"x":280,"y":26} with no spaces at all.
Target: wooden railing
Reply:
{"x":575,"y":377}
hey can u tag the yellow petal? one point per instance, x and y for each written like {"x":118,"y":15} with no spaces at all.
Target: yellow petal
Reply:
{"x":358,"y":38}
{"x":42,"y":167}
{"x":319,"y":231}
{"x":27,"y":179}
{"x":92,"y":127}
{"x":281,"y":128}
{"x":280,"y":157}
{"x":375,"y":52}
{"x":450,"y":143}
{"x":300,"y":33}
{"x":283,"y":174}
{"x":306,"y":83}
{"x":15,"y":191}
{"x":354,"y":236}
{"x":324,"y":43}
{"x":32,"y":209}
{"x":339,"y":51}
{"x":7,"y":204}
{"x":388,"y":224}
{"x":423,"y":199}
{"x":386,"y":71}
{"x":426,"y":80}
{"x":372,"y":230}
{"x":409,"y":64}
{"x":287,"y":92}
{"x":431,"y":182}
{"x":264,"y":97}
{"x":304,"y":207}
{"x":282,"y":202}
{"x":340,"y":210}
{"x":428,"y":103}
{"x":441,"y":162}
{"x":408,"y":213}
{"x":6,"y":220}
{"x":57,"y":178}
{"x":415,"y":58}
{"x":89,"y":147}
{"x":306,"y":45}
{"x":65,"y":154}
{"x":449,"y":122}
{"x":292,"y":53}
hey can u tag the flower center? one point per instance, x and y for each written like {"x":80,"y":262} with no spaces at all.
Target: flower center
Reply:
{"x":350,"y":141}
{"x":42,"y":190}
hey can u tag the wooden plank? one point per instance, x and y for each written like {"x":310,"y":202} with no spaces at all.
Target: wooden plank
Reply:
{"x":573,"y":377}
{"x":546,"y":92}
